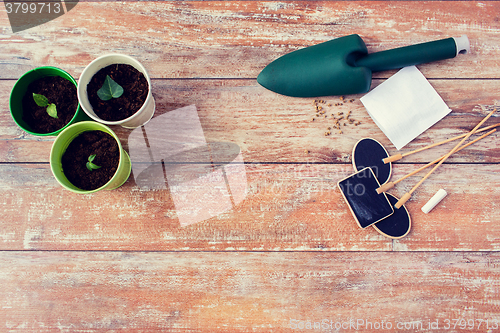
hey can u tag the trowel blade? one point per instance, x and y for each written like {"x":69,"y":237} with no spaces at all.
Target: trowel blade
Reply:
{"x":324,"y":69}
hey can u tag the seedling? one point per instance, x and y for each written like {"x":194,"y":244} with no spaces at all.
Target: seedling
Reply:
{"x":91,"y":166}
{"x":42,"y":101}
{"x":110,"y":89}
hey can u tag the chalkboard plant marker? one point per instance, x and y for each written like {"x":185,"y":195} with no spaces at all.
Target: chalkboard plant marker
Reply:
{"x":368,"y":152}
{"x":387,"y":186}
{"x":44,"y":101}
{"x":397,"y":225}
{"x":123,"y":97}
{"x":64,"y":140}
{"x":407,"y":195}
{"x":366,"y":205}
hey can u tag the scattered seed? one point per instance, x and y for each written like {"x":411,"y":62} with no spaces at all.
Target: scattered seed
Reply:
{"x":320,"y":107}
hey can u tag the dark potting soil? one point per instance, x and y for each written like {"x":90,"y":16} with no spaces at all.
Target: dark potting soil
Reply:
{"x":58,"y":91}
{"x":135,"y":90}
{"x":75,"y":159}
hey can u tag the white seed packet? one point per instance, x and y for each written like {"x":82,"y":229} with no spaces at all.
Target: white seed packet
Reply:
{"x":404,"y":106}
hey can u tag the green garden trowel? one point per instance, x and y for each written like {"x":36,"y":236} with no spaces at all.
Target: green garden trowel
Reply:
{"x":343,"y":66}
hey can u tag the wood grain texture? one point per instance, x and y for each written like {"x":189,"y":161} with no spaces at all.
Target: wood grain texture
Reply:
{"x":245,"y":292}
{"x":287,"y":208}
{"x":290,"y":255}
{"x":272,"y":128}
{"x":236,"y":39}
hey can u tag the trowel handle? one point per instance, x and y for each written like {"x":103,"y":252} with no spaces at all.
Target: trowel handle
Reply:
{"x":414,"y":54}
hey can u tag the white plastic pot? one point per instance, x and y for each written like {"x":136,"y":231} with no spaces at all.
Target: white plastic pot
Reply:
{"x":141,"y":117}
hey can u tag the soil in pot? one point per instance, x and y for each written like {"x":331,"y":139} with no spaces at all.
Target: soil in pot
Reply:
{"x":74,"y":160}
{"x":58,"y":91}
{"x":135,"y":91}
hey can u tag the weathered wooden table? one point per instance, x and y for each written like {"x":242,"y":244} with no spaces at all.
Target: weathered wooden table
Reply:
{"x":290,"y":256}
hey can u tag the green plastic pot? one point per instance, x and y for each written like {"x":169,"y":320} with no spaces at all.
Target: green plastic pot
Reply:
{"x":20,"y":88}
{"x":62,"y":142}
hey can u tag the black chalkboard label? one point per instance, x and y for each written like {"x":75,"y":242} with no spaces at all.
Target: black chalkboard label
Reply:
{"x":398,"y":224}
{"x":370,"y":153}
{"x":360,"y":192}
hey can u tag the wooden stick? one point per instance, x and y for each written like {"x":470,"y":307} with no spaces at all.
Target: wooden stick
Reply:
{"x":407,"y":196}
{"x":397,"y":157}
{"x":387,"y":186}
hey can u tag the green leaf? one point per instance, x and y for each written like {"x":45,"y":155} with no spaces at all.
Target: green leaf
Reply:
{"x":51,"y":110}
{"x":40,"y":100}
{"x":91,"y":166}
{"x":110,"y":89}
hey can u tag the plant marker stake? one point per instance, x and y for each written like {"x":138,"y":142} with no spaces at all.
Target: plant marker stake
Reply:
{"x":407,"y":195}
{"x":397,"y":157}
{"x":390,"y":185}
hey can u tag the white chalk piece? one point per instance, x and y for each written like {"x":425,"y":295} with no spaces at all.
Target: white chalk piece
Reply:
{"x":434,"y":201}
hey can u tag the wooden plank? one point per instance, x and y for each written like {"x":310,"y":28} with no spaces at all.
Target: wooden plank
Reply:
{"x":288,"y":207}
{"x":280,"y":211}
{"x":272,"y":128}
{"x":289,"y":256}
{"x":221,"y":39}
{"x":248,"y":292}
